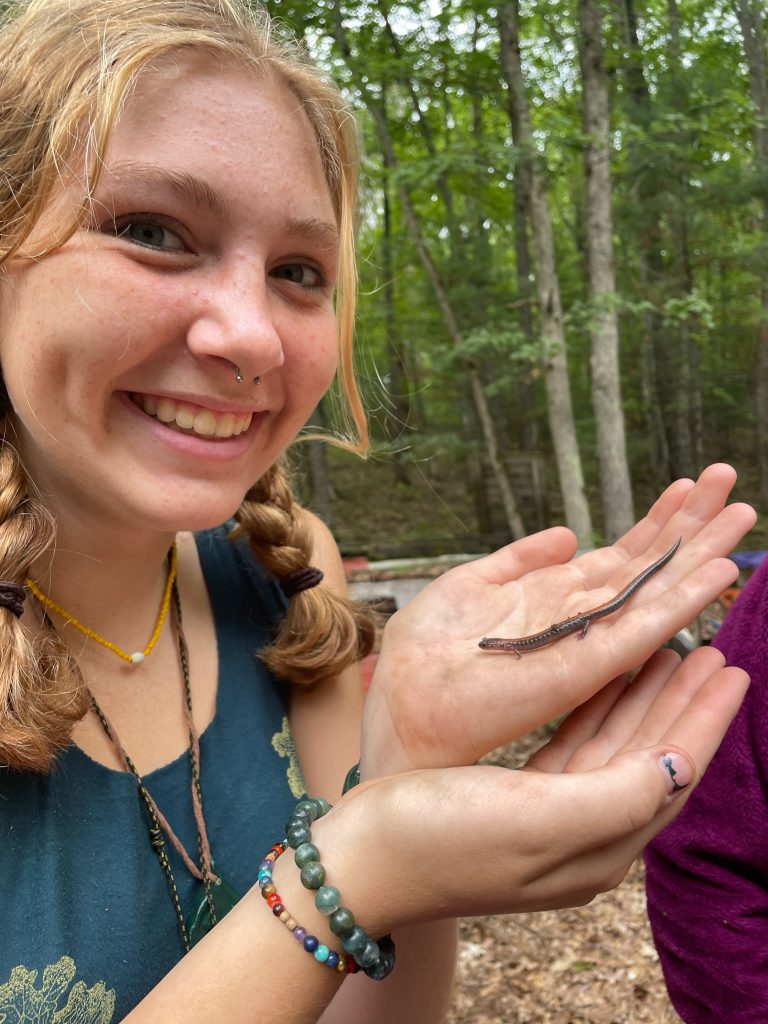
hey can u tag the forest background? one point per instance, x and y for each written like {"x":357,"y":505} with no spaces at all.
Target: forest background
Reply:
{"x":564,"y":262}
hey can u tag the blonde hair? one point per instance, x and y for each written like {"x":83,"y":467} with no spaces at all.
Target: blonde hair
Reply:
{"x":67,"y":68}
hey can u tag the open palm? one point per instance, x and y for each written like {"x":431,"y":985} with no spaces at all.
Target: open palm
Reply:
{"x":438,"y":700}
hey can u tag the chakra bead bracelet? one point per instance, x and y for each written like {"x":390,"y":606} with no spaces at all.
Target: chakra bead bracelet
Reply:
{"x":376,"y":958}
{"x":323,"y":954}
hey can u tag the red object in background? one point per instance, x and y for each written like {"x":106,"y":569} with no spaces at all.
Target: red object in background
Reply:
{"x":368,"y":665}
{"x":356,"y":562}
{"x":729,"y":596}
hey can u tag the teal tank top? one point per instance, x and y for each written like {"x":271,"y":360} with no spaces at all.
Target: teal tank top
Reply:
{"x":87,"y":924}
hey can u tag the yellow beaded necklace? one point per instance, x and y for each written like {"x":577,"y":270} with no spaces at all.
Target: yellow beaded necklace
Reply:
{"x":137,"y":656}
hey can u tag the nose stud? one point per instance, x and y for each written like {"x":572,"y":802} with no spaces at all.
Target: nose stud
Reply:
{"x":240,"y":378}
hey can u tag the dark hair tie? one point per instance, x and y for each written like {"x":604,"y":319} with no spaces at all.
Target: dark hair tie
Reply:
{"x":301,"y":579}
{"x":12,"y":597}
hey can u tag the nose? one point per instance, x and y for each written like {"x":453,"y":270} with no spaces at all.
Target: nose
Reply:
{"x":234,"y":324}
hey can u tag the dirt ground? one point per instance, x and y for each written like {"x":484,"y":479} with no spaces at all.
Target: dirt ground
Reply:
{"x":591,"y":965}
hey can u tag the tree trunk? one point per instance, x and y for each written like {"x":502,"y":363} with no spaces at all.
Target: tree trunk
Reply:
{"x":514,"y":521}
{"x":657,"y":436}
{"x":750,"y":14}
{"x":560,"y":409}
{"x":525,"y":291}
{"x":398,"y":410}
{"x":697,"y":407}
{"x":618,"y":514}
{"x":319,"y":476}
{"x":677,"y":350}
{"x":651,"y":260}
{"x":476,"y":253}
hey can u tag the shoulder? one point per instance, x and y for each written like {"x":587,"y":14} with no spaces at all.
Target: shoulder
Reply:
{"x":326,"y":720}
{"x":325,"y":552}
{"x":231,"y":573}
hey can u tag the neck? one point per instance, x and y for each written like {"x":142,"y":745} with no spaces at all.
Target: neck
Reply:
{"x":111,"y":582}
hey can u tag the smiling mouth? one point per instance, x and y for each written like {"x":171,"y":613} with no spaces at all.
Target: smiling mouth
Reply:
{"x":192,"y":419}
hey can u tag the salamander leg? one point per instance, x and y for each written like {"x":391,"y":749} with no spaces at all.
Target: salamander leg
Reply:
{"x":585,"y":627}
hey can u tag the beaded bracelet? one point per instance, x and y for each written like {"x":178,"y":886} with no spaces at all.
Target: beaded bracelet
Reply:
{"x":330,"y":957}
{"x":377,"y":959}
{"x":351,"y":779}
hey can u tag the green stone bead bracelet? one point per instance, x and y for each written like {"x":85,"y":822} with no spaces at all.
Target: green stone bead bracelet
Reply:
{"x":335,"y":960}
{"x":351,"y":779}
{"x":375,"y":957}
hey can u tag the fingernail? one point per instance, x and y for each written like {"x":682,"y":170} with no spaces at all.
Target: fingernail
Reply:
{"x":677,"y":770}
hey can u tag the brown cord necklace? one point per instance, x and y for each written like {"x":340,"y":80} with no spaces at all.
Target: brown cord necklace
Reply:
{"x":218,"y":897}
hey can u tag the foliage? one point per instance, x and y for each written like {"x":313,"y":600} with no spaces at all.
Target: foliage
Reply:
{"x":686,"y":190}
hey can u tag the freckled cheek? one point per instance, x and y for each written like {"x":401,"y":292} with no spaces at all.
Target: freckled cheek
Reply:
{"x":54,"y":375}
{"x":311,"y":363}
{"x":55,"y":341}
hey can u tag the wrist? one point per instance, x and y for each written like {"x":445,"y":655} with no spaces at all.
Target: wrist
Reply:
{"x":381,"y":752}
{"x":344,"y":853}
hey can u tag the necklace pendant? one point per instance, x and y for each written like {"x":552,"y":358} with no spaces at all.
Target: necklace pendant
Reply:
{"x":137,"y":657}
{"x":199,"y":921}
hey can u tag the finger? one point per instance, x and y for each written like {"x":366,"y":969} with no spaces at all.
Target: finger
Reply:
{"x":601,"y":726}
{"x":721,"y":535}
{"x":621,"y":725}
{"x":622,"y":799}
{"x":707,"y":526}
{"x":697,"y":727}
{"x":578,"y":728}
{"x":702,"y":726}
{"x":693,"y":673}
{"x":701,"y":502}
{"x":549,"y":547}
{"x":650,"y":619}
{"x":639,"y":783}
{"x":645,"y":533}
{"x":554,"y":821}
{"x":642,"y":540}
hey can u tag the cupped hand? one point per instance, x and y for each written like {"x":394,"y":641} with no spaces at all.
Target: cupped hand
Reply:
{"x":482,"y":840}
{"x":437,"y":700}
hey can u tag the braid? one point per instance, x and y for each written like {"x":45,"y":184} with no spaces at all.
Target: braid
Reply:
{"x":40,"y":698}
{"x":322,"y":632}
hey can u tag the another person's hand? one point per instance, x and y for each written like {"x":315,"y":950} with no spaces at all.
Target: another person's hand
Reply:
{"x":438,"y":700}
{"x":477,"y":840}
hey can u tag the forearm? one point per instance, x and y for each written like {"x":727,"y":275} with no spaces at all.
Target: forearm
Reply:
{"x":245,"y":969}
{"x":418,"y":991}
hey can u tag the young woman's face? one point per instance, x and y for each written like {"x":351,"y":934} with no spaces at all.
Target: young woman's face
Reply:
{"x":211,"y":249}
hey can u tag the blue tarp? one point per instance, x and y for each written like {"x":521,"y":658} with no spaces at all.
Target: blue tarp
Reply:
{"x":748,"y":559}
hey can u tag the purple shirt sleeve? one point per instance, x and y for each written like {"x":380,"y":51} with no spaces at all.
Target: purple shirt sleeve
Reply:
{"x":707,"y":873}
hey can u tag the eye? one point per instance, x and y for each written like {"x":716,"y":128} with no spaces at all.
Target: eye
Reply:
{"x":150,"y":233}
{"x":303,"y":274}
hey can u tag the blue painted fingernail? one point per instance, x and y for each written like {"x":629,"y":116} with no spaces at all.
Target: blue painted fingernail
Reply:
{"x":677,"y":771}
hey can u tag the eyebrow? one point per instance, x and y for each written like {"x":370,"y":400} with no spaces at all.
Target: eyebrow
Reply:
{"x":193,"y":189}
{"x":188,"y":187}
{"x":314,"y":229}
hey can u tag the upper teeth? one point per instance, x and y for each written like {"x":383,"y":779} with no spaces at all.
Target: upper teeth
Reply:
{"x":190,"y":417}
